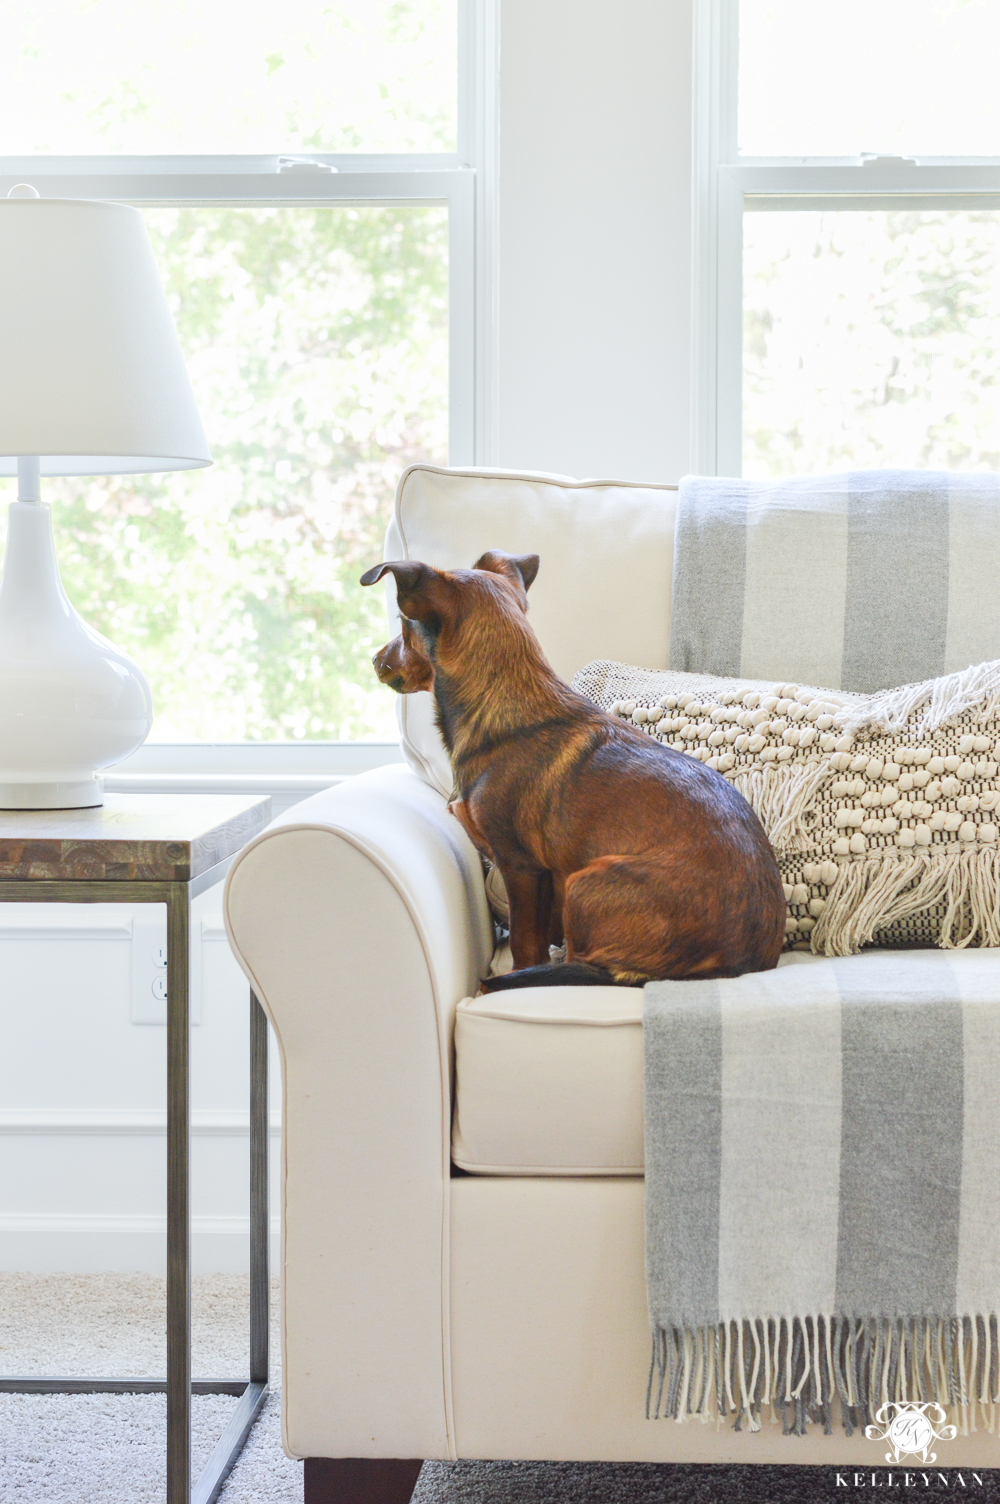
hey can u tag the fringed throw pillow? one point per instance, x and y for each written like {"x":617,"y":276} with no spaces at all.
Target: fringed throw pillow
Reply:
{"x":883,"y":810}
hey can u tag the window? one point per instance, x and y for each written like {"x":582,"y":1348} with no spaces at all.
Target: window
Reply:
{"x":848,"y":271}
{"x":308,"y":176}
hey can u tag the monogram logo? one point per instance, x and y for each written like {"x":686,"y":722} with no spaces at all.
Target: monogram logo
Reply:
{"x":911,"y":1428}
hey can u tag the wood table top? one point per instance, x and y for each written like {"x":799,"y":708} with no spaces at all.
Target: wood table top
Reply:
{"x":130,"y":838}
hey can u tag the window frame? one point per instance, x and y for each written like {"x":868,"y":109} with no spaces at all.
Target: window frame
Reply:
{"x":465,"y":183}
{"x":726,"y":186}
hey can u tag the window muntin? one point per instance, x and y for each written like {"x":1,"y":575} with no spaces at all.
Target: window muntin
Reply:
{"x":188,"y":77}
{"x":891,"y":77}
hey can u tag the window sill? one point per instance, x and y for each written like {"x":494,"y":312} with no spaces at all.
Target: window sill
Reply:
{"x":288,"y":771}
{"x":301,"y":784}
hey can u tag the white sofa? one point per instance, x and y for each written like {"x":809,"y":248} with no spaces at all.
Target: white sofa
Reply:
{"x":462,"y":1194}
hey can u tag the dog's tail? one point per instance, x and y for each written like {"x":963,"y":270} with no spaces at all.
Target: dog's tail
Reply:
{"x":560,"y":974}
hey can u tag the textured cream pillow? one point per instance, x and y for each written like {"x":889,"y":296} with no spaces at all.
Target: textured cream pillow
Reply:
{"x":882,"y":809}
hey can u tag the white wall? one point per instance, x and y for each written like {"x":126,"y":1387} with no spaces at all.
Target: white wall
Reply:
{"x":594,"y":230}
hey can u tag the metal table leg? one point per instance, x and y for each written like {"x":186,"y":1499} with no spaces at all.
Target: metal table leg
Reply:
{"x":260,"y":1240}
{"x":178,"y":1199}
{"x":230,"y":1443}
{"x":178,"y":1384}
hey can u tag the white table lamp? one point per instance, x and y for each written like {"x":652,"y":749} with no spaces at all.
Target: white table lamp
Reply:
{"x":92,"y":382}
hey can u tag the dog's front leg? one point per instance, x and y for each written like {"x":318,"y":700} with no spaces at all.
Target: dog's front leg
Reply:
{"x":529,"y":892}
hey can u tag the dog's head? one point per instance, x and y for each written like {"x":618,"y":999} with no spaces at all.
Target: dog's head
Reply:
{"x":437,"y":604}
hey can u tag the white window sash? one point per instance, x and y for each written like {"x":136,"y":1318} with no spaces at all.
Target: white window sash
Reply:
{"x":464,"y":182}
{"x":726,"y":186}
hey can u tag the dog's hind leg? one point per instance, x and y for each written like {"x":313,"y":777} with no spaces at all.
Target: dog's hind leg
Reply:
{"x":640,"y":919}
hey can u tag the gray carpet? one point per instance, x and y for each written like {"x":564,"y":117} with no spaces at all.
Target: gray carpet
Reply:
{"x":108,"y":1449}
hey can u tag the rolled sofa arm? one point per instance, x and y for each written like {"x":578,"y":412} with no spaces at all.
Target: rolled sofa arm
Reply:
{"x":360,"y":918}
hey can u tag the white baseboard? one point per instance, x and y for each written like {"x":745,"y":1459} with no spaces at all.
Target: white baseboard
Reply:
{"x":64,"y":1243}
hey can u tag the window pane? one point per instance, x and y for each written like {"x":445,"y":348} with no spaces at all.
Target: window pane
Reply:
{"x":871,"y":339}
{"x":897,"y":77}
{"x":217,"y":76}
{"x":316,"y":339}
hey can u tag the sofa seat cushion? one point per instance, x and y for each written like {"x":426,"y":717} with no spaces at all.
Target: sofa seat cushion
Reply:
{"x":548,"y":1080}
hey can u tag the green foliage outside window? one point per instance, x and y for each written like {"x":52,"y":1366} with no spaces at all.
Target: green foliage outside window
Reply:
{"x":316,"y":340}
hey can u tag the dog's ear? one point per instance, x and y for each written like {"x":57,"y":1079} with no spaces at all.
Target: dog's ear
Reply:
{"x":422,"y":593}
{"x":521,"y":568}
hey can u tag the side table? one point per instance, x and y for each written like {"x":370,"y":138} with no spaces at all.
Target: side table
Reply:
{"x":163,"y":848}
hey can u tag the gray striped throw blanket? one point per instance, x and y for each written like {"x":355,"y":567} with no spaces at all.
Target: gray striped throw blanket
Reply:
{"x":823,"y":1189}
{"x":858,"y":581}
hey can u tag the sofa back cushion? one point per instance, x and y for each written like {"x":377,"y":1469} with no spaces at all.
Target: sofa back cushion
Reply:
{"x":603,"y":587}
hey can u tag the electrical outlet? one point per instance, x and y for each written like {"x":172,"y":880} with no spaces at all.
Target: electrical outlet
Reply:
{"x":149,"y":966}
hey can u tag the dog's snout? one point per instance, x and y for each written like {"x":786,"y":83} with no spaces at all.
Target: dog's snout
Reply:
{"x":401,"y":668}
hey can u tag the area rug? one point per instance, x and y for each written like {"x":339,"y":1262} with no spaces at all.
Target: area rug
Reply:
{"x":109,"y":1449}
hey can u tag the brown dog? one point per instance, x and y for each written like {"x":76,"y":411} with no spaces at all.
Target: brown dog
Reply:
{"x":646,"y":862}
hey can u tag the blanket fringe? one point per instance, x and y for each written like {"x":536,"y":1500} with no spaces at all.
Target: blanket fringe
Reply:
{"x":799,"y":1369}
{"x":976,"y":687}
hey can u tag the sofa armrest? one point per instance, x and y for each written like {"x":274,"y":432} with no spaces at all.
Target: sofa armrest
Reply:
{"x":360,"y":918}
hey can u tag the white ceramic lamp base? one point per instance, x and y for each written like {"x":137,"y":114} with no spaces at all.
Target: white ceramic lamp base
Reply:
{"x":70,"y":703}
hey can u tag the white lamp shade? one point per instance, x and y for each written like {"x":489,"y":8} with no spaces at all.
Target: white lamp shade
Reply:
{"x":92,"y":379}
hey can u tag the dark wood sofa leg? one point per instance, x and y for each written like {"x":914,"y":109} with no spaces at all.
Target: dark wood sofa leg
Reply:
{"x":360,"y":1480}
